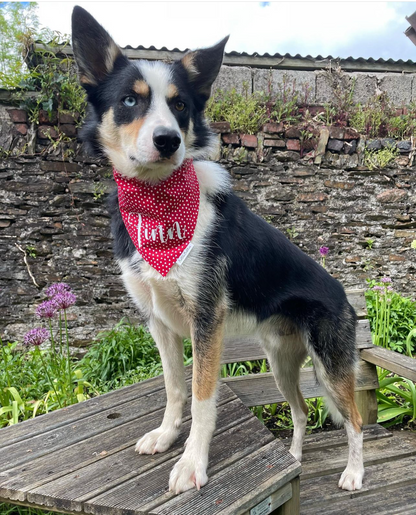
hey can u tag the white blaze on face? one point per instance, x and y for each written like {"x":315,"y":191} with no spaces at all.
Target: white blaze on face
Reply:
{"x":158,"y":76}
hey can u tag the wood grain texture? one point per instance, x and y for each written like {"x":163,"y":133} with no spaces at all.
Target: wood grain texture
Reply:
{"x":402,"y":365}
{"x":259,"y":389}
{"x":261,"y":473}
{"x":375,"y":451}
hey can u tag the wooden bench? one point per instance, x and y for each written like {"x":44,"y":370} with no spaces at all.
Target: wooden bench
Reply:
{"x":81,"y":459}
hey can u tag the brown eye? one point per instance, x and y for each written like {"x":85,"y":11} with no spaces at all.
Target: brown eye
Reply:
{"x":179,"y":106}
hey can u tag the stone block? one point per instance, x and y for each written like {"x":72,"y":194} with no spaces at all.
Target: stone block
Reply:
{"x":393,"y":195}
{"x":21,"y":128}
{"x":233,"y":77}
{"x":68,"y":118}
{"x":248,"y":140}
{"x":312,"y":197}
{"x":365,"y":86}
{"x":45,"y":119}
{"x":388,"y":143}
{"x":277,"y":143}
{"x":293,"y":144}
{"x":373,"y":144}
{"x":46,"y":132}
{"x":350,"y":134}
{"x":404,"y":146}
{"x":68,"y":129}
{"x":17,"y":115}
{"x":273,"y":128}
{"x":271,"y":81}
{"x":59,"y":166}
{"x":220,"y":127}
{"x":286,"y":156}
{"x":335,"y":145}
{"x":231,"y":139}
{"x":292,"y":132}
{"x":398,"y":87}
{"x":339,"y":185}
{"x":336,"y":132}
{"x":350,"y":147}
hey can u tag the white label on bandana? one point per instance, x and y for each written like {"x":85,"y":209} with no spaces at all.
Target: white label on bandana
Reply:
{"x":185,"y":254}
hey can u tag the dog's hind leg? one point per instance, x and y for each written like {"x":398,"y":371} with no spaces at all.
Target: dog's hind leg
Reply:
{"x":286,"y":354}
{"x":171,"y":351}
{"x":334,"y":355}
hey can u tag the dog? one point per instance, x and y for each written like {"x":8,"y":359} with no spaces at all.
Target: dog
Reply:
{"x":195,"y":260}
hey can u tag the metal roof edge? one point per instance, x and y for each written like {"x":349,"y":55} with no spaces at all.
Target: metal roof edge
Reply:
{"x":276,"y":61}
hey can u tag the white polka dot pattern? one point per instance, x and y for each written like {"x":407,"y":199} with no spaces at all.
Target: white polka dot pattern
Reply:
{"x":160,"y":218}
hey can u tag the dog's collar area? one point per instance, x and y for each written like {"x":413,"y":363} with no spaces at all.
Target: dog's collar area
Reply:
{"x":161,"y":218}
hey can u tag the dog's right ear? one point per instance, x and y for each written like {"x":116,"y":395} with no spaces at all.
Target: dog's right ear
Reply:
{"x":95,"y":51}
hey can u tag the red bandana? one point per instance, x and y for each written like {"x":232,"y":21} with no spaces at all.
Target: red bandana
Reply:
{"x":161,"y":218}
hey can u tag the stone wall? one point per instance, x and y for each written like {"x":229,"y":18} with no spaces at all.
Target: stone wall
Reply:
{"x":400,"y":87}
{"x":53,"y":214}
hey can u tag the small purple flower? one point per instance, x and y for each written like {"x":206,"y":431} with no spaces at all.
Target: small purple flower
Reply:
{"x":324,"y":251}
{"x":36,"y":336}
{"x":56,"y":288}
{"x":378,"y":288}
{"x":386,"y":280}
{"x":389,"y":288}
{"x":64,"y":299}
{"x":47,"y":309}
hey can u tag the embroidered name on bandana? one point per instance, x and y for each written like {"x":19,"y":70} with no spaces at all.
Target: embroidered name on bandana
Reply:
{"x":161,"y":218}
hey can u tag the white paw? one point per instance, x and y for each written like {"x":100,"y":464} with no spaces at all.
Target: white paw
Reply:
{"x":352,"y":479}
{"x":188,"y":473}
{"x":158,"y":440}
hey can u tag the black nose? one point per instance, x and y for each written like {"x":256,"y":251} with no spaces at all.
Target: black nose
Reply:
{"x":167,"y":141}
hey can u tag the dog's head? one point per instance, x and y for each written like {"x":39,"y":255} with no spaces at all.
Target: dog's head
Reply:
{"x":147,"y":117}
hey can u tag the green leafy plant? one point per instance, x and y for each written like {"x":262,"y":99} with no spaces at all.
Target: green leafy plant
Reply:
{"x":369,"y":242}
{"x":396,"y":399}
{"x":392,"y":317}
{"x":244,"y":112}
{"x":379,"y":159}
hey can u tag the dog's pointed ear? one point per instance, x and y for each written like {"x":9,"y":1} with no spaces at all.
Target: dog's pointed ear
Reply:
{"x":95,"y":51}
{"x":203,"y":66}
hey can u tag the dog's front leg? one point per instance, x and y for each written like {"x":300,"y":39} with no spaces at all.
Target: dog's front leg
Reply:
{"x":171,"y":352}
{"x":191,"y":469}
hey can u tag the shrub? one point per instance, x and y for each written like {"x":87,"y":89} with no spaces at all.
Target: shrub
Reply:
{"x":244,"y":112}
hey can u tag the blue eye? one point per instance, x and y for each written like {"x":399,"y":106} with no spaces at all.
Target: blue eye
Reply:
{"x":129,"y":101}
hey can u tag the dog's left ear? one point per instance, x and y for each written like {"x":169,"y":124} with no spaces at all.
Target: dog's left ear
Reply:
{"x":95,"y":51}
{"x":203,"y":66}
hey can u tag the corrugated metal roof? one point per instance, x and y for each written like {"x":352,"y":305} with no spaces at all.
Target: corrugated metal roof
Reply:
{"x":266,"y":60}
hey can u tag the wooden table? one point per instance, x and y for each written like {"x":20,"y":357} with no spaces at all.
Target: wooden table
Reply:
{"x":81,"y":460}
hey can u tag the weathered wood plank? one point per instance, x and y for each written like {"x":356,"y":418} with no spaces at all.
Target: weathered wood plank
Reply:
{"x":260,"y":474}
{"x":274,"y":500}
{"x":324,"y":490}
{"x":367,"y":405}
{"x":259,"y":389}
{"x":55,"y":461}
{"x":248,"y":348}
{"x":226,"y":448}
{"x":391,"y":500}
{"x":292,"y":507}
{"x":402,"y":365}
{"x":71,"y":414}
{"x":70,"y":490}
{"x":375,"y":451}
{"x":320,"y":441}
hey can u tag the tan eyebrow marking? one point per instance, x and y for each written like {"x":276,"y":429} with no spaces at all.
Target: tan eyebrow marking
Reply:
{"x":141,"y":88}
{"x":172,"y":91}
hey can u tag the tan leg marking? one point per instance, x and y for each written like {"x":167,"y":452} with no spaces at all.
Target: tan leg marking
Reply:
{"x":207,"y":364}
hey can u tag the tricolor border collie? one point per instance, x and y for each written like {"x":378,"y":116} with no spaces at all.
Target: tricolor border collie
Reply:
{"x":196,"y":261}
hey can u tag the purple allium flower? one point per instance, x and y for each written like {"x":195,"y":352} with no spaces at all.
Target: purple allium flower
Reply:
{"x":64,"y":299}
{"x":56,"y":288}
{"x":324,"y":251}
{"x":36,"y":336}
{"x":386,"y":280}
{"x":378,"y":288}
{"x":47,"y":309}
